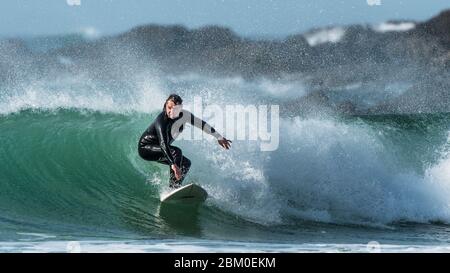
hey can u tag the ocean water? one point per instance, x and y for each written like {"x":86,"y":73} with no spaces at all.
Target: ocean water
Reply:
{"x":71,"y":179}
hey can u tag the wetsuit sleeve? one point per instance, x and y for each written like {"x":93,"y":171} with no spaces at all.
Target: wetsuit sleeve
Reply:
{"x":164,"y":142}
{"x":204,"y":126}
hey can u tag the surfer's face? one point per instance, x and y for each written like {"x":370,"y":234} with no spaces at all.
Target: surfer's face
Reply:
{"x":173,"y":110}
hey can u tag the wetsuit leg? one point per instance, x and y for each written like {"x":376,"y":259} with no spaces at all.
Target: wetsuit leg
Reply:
{"x":183,"y":163}
{"x":155,"y":153}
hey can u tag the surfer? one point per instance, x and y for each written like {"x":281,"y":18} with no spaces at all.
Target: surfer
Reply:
{"x":155,"y":142}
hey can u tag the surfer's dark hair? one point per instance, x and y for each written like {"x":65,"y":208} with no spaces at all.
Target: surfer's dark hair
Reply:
{"x":175,"y":98}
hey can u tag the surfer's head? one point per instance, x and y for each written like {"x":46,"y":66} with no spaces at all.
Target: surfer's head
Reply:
{"x":173,"y":106}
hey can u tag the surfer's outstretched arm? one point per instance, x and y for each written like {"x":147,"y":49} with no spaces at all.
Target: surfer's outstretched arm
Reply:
{"x":205,"y":127}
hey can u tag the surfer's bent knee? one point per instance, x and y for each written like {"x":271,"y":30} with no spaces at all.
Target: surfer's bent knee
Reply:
{"x":146,"y":153}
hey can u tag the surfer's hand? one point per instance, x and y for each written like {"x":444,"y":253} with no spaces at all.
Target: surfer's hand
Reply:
{"x":225,"y":143}
{"x":177,"y":171}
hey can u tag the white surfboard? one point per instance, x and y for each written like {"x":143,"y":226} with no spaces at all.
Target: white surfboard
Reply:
{"x":190,"y":193}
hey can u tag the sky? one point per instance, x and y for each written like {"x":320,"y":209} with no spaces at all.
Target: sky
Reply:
{"x":250,"y":18}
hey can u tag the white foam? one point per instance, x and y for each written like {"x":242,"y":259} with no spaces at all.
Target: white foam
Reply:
{"x":329,"y":35}
{"x":324,"y":170}
{"x":80,"y":92}
{"x":334,"y":172}
{"x":439,"y":174}
{"x":206,"y":246}
{"x":30,"y":236}
{"x":388,"y":27}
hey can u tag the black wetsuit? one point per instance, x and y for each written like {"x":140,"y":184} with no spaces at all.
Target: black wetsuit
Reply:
{"x":155,"y":142}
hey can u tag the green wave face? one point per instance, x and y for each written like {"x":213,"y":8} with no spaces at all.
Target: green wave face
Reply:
{"x":73,"y":168}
